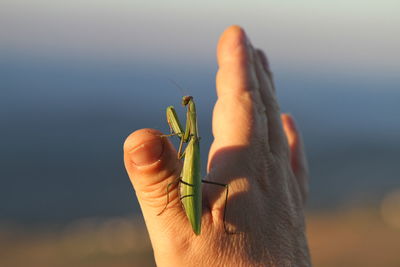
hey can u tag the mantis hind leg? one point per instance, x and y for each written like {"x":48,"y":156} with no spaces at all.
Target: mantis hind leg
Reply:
{"x":174,"y":182}
{"x":165,"y":207}
{"x":182,"y":197}
{"x":225,"y":204}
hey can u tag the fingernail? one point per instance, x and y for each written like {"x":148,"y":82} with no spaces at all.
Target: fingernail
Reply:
{"x":147,"y":153}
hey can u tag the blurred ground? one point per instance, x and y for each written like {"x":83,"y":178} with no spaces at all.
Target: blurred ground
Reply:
{"x":351,"y":237}
{"x":354,"y":237}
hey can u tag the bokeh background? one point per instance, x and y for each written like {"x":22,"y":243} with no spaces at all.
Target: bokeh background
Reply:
{"x":77,"y":77}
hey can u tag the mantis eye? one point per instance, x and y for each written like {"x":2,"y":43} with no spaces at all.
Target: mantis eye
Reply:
{"x":186,"y":99}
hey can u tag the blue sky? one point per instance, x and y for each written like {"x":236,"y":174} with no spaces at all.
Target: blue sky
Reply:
{"x":76,"y":78}
{"x":347,"y":36}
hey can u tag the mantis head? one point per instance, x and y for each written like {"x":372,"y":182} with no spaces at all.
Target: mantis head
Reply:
{"x":186,"y":100}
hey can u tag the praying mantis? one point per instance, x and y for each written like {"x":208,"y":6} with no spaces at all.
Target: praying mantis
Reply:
{"x":190,"y":179}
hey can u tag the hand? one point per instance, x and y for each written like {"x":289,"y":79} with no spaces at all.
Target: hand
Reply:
{"x":256,"y":150}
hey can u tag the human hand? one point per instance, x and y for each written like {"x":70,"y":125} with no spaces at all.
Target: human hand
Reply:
{"x":256,"y":150}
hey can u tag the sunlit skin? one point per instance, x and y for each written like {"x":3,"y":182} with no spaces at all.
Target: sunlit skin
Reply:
{"x":256,"y":150}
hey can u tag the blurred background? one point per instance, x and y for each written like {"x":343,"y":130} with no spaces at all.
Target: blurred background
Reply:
{"x":77,"y":77}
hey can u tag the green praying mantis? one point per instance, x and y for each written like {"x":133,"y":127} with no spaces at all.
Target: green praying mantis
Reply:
{"x":190,"y":180}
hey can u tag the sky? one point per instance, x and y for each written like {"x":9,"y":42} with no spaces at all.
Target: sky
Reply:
{"x":77,"y":76}
{"x":345,"y":36}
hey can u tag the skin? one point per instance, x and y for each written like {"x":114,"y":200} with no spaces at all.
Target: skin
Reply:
{"x":256,"y":150}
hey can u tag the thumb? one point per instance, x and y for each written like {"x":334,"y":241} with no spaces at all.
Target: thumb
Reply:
{"x":151,"y":162}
